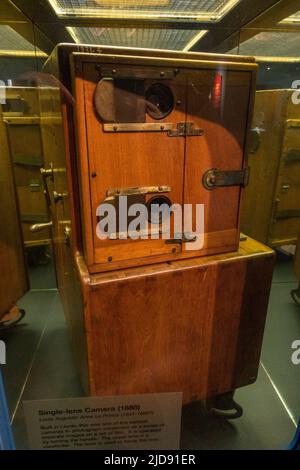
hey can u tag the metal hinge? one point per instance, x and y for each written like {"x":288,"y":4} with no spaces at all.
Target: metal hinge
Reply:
{"x":180,"y":238}
{"x":182,"y":128}
{"x":185,"y":129}
{"x":215,"y":178}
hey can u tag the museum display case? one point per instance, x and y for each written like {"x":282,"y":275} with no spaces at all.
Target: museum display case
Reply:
{"x":150,"y":179}
{"x":275,"y":171}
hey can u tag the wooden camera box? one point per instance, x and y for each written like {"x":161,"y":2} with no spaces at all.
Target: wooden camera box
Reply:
{"x":149,"y":315}
{"x":13,"y":276}
{"x":167,"y":129}
{"x":23,"y":135}
{"x":271,"y":212}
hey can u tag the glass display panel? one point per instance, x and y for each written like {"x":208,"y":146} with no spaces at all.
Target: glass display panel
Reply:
{"x":209,"y":109}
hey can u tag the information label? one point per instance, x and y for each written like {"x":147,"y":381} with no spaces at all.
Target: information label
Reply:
{"x":147,"y":422}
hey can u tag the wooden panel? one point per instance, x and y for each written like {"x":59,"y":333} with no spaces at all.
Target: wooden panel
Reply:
{"x":54,"y":155}
{"x":259,"y":197}
{"x":215,"y":242}
{"x":18,"y":136}
{"x":72,"y":287}
{"x":252,"y":319}
{"x":58,"y":64}
{"x":24,"y":174}
{"x":106,"y":159}
{"x":218,"y":102}
{"x":286,"y":217}
{"x":21,"y":101}
{"x":71,"y":279}
{"x":138,"y":159}
{"x":195,"y":326}
{"x":297,"y":259}
{"x":13,"y":277}
{"x":23,"y":125}
{"x":272,"y":196}
{"x":32,"y":202}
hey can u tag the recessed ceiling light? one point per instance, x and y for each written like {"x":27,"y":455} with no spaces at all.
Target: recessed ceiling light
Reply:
{"x":12,"y":42}
{"x":293,"y":19}
{"x":181,"y":10}
{"x":146,"y":38}
{"x":273,"y":43}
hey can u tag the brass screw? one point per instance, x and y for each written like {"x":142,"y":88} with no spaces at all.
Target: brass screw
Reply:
{"x":178,"y":102}
{"x":162,"y":74}
{"x":94,"y":174}
{"x":114,"y":71}
{"x":109,"y":259}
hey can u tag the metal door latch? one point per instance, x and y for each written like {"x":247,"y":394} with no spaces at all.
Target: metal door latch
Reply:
{"x":47,"y":172}
{"x":59,"y":196}
{"x":185,"y":129}
{"x":39,"y":227}
{"x":67,"y":235}
{"x":215,"y":178}
{"x":285,"y":188}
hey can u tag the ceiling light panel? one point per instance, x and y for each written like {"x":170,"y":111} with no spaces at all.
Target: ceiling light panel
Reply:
{"x":10,"y":40}
{"x":272,"y":44}
{"x":188,"y":10}
{"x":293,"y":19}
{"x":172,"y":39}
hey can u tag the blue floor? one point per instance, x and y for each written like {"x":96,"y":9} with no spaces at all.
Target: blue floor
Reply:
{"x":40,"y":365}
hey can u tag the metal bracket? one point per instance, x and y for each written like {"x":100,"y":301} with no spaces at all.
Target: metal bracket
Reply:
{"x":45,"y":173}
{"x":181,"y":238}
{"x":67,"y":234}
{"x":59,"y":196}
{"x":138,"y":73}
{"x":182,"y":128}
{"x":115,"y":192}
{"x":185,"y":129}
{"x":215,"y":178}
{"x":137,"y":127}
